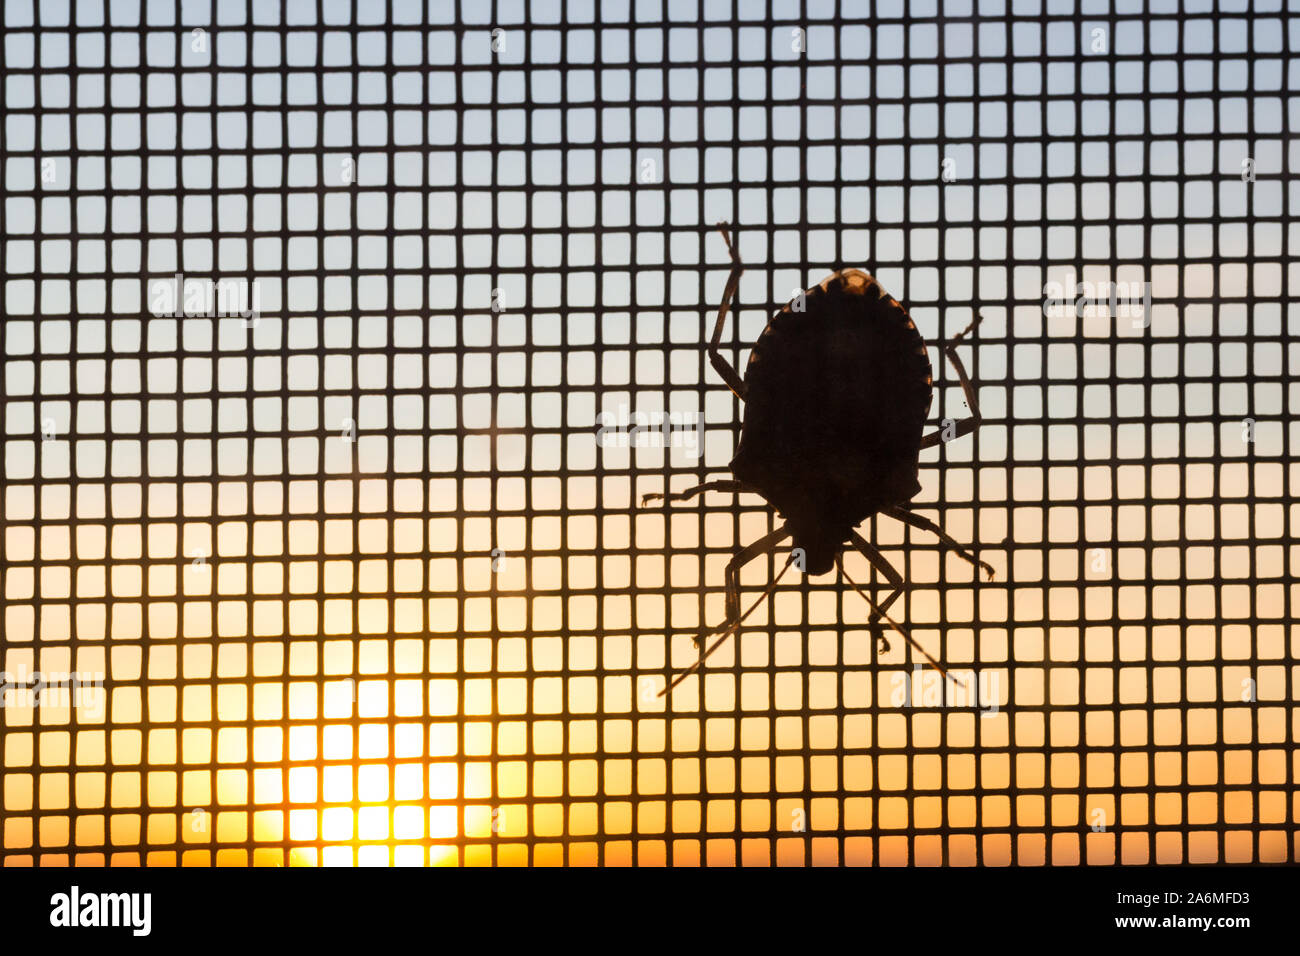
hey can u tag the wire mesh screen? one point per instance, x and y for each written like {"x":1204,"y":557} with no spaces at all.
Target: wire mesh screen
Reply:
{"x":341,"y":341}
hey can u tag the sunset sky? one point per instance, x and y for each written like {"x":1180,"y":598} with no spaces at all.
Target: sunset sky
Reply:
{"x":358,"y":583}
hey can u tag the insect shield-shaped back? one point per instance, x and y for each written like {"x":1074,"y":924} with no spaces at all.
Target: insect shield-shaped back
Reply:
{"x":836,"y":398}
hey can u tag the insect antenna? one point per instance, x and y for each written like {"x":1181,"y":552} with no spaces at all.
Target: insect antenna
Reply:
{"x":839,"y":561}
{"x":731,"y":628}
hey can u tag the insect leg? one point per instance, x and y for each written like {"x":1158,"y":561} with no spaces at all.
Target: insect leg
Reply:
{"x":925,"y":524}
{"x":732,"y":623}
{"x":764,"y":545}
{"x":839,"y":561}
{"x":723,"y":367}
{"x":966,"y":425}
{"x":879,"y":562}
{"x":721,"y":484}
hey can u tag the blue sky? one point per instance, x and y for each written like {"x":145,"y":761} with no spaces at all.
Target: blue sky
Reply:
{"x":829,"y":147}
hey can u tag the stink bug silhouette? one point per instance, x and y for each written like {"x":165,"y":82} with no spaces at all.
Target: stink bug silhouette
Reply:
{"x":836,"y":399}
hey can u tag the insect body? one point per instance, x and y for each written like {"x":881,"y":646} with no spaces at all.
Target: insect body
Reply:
{"x":837,"y":392}
{"x":835,"y":400}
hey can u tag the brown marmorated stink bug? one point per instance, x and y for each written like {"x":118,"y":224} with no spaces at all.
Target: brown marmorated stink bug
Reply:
{"x":836,"y":392}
